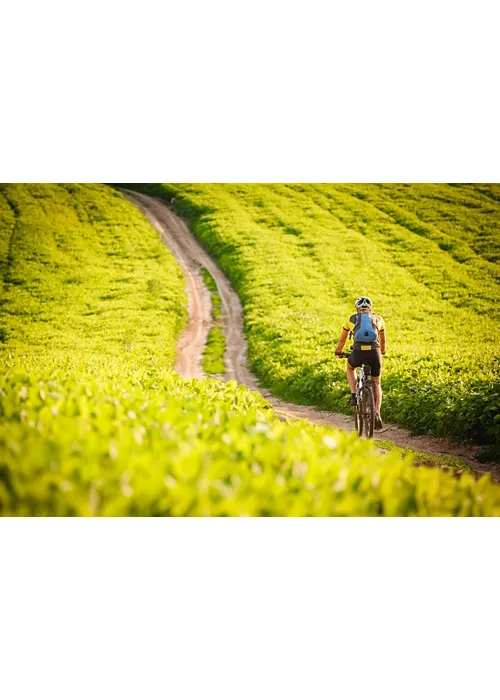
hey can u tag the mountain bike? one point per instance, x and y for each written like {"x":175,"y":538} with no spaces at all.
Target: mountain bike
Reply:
{"x":364,"y":410}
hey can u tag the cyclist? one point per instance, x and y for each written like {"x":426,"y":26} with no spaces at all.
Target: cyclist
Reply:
{"x":361,"y":353}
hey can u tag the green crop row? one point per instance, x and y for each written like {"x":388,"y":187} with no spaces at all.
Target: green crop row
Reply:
{"x":93,"y":422}
{"x":298,"y":256}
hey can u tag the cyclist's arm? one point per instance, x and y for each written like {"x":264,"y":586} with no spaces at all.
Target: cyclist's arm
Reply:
{"x":381,"y":336}
{"x":342,"y":341}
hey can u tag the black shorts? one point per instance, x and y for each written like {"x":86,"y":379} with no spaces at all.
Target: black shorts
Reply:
{"x":373,"y":357}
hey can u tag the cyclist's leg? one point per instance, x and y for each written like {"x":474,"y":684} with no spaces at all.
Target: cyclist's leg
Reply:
{"x":351,"y":378}
{"x":353,"y":361}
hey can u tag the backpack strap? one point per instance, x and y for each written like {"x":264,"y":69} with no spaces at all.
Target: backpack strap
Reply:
{"x":356,"y":325}
{"x":374,"y":321}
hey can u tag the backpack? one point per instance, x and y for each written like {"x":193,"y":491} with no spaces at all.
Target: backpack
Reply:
{"x":366,"y":329}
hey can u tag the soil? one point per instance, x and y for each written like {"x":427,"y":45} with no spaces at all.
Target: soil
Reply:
{"x":192,"y":256}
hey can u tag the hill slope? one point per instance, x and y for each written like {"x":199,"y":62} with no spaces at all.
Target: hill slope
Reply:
{"x":299,"y":255}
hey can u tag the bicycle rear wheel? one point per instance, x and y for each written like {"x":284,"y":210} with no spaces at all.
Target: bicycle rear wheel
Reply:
{"x":368,"y":412}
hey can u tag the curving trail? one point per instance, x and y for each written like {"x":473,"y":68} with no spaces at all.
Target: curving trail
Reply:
{"x":191,"y":255}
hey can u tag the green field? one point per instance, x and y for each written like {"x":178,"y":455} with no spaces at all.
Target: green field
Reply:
{"x":82,"y":275}
{"x":94,"y":422}
{"x":298,"y":256}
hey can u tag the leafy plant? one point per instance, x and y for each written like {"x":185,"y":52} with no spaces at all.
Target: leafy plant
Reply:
{"x":100,"y":442}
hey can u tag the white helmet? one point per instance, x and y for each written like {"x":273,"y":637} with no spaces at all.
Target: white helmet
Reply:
{"x":363,"y":303}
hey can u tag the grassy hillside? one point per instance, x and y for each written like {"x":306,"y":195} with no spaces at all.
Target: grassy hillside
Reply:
{"x":93,"y":422}
{"x":299,"y":255}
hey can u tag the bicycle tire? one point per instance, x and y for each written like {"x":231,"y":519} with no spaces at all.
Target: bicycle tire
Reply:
{"x":358,"y":419}
{"x":368,"y":411}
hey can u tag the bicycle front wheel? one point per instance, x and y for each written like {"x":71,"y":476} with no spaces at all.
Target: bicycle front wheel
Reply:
{"x":358,"y":421}
{"x":358,"y":415}
{"x":368,"y":412}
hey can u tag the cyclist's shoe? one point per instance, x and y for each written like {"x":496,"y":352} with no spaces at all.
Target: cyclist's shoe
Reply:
{"x":353,"y":401}
{"x":378,"y":422}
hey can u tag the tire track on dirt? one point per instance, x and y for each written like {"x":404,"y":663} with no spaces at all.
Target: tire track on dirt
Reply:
{"x":191,"y":255}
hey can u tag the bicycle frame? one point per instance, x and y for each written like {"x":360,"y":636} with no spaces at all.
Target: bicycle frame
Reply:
{"x":363,"y":376}
{"x":364,"y":411}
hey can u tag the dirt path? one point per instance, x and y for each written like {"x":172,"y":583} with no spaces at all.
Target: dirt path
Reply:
{"x":192,"y":256}
{"x":193,"y":338}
